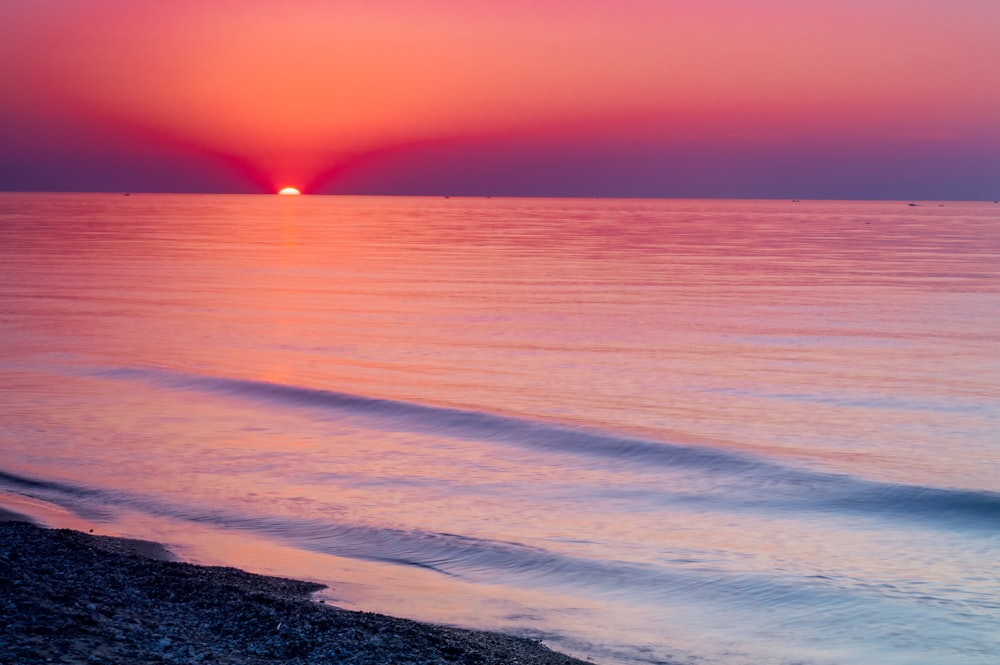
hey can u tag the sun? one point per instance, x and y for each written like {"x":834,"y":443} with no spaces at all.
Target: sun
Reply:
{"x":289,"y":191}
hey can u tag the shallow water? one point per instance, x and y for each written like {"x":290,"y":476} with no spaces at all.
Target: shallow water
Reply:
{"x":695,"y":431}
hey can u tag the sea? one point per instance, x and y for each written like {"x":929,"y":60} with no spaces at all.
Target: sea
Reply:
{"x":697,"y":432}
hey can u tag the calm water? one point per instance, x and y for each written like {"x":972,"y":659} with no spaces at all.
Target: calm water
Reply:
{"x":712,"y":432}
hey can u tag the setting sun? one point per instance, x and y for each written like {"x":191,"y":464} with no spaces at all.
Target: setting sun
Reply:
{"x":289,"y":191}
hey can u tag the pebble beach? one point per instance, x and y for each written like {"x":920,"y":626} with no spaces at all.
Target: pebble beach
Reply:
{"x":71,"y":597}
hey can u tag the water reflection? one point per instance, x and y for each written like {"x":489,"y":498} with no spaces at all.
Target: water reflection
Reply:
{"x":575,"y":417}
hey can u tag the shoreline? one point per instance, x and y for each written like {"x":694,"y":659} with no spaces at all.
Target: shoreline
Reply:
{"x":71,"y":597}
{"x":11,"y":516}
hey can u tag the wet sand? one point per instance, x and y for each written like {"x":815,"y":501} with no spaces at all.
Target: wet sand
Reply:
{"x":71,"y":597}
{"x":10,"y":515}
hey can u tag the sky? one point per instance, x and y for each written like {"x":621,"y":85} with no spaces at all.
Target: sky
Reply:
{"x":858,"y":99}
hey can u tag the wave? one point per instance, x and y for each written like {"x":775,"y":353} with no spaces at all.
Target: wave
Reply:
{"x":701,"y":585}
{"x":450,"y":554}
{"x":391,"y":414}
{"x":473,"y":559}
{"x":964,"y":508}
{"x":747,"y":482}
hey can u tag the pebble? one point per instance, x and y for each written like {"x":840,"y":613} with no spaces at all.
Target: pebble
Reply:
{"x":215,"y":615}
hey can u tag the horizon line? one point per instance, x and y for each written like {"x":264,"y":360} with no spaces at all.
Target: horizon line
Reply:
{"x":497,"y":196}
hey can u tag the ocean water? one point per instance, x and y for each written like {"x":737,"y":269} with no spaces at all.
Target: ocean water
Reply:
{"x":645,"y":431}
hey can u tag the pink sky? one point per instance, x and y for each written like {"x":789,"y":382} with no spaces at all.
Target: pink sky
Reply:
{"x":785,"y":98}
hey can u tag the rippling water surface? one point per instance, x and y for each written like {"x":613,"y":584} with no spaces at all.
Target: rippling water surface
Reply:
{"x":713,"y":432}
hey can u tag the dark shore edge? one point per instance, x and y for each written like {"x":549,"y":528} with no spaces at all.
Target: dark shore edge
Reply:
{"x":71,"y":597}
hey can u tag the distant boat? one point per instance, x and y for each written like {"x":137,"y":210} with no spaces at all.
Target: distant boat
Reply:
{"x":915,"y":205}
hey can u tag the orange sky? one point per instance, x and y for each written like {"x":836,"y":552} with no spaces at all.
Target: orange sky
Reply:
{"x":316,"y":93}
